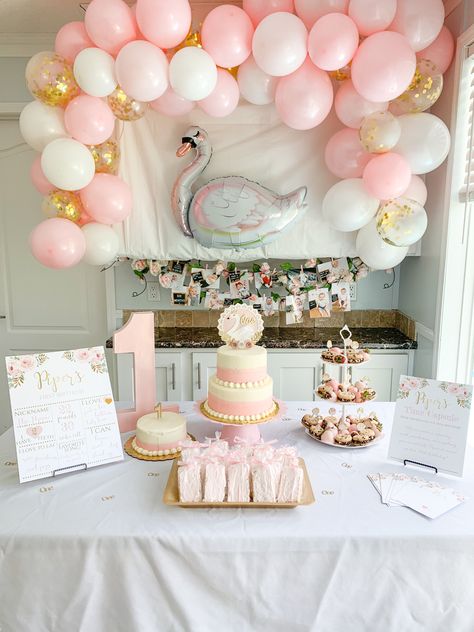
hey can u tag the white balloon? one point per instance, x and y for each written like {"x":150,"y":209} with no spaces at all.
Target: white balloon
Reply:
{"x":102,"y":244}
{"x":94,"y":70}
{"x":347,"y":206}
{"x":424,"y":141}
{"x":68,"y":164}
{"x":375,"y":252}
{"x":40,"y":124}
{"x":416,"y":190}
{"x":193,"y":73}
{"x":280,"y":44}
{"x":255,"y":85}
{"x":420,"y":21}
{"x":351,"y":108}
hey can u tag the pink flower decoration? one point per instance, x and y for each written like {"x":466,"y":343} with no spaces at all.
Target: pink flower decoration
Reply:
{"x":27,"y":363}
{"x":12,"y":367}
{"x":83,"y":355}
{"x":139,"y":265}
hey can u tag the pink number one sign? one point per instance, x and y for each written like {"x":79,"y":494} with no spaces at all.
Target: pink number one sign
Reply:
{"x":137,"y":336}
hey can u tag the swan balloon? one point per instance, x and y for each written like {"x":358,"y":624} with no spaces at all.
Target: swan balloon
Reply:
{"x":229,"y":212}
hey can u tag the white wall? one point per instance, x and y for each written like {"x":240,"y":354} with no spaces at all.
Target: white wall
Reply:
{"x":419,"y":282}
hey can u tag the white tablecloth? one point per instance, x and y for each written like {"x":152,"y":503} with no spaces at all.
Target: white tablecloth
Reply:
{"x":98,"y":551}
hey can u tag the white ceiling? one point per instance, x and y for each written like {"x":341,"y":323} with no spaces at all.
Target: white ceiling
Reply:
{"x":47,"y":16}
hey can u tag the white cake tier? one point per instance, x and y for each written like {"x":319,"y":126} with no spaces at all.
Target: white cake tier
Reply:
{"x":155,"y":434}
{"x":241,"y":365}
{"x":237,"y":399}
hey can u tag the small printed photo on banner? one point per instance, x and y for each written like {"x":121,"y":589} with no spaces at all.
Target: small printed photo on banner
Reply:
{"x":226,"y":299}
{"x":341,"y":298}
{"x":332,"y":267}
{"x":240,"y":287}
{"x":319,"y":303}
{"x":193,"y":295}
{"x":205,"y":277}
{"x":213,"y":300}
{"x":294,"y":309}
{"x":270,"y":306}
{"x":179,"y":296}
{"x":255,"y":301}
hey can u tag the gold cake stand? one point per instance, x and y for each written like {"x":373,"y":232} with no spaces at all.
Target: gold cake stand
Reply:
{"x":130,"y":450}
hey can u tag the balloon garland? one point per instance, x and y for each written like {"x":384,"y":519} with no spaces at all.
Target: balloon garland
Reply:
{"x":386,"y":56}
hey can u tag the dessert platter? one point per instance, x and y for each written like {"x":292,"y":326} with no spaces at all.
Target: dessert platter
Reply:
{"x":159,"y":436}
{"x":240,"y":394}
{"x":215,"y":474}
{"x":346,"y":429}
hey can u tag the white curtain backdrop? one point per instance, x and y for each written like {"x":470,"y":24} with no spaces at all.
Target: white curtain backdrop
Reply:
{"x":252,"y":142}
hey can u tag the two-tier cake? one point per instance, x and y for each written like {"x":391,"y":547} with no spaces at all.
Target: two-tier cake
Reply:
{"x":241,"y":391}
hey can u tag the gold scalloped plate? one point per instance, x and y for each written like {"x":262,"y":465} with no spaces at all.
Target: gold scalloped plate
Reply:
{"x":340,"y":402}
{"x":348,"y":364}
{"x":143,"y":457}
{"x":262,"y":420}
{"x":345,"y":447}
{"x":171,"y":495}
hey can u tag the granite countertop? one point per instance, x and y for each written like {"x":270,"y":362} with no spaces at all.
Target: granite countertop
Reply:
{"x":282,"y":338}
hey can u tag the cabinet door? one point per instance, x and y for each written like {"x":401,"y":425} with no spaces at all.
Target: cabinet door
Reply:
{"x":168,"y":372}
{"x":204,"y":365}
{"x":295,"y":375}
{"x":383,"y":371}
{"x":169,"y":376}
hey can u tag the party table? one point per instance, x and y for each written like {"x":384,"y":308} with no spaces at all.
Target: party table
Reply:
{"x":98,"y":551}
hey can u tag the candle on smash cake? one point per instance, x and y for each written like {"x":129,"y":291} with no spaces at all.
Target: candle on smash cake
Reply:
{"x":160,"y":433}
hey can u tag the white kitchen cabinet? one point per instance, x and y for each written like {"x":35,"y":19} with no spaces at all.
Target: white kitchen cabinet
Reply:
{"x":296,"y":374}
{"x":183,"y":374}
{"x":169,"y":372}
{"x":203,"y":366}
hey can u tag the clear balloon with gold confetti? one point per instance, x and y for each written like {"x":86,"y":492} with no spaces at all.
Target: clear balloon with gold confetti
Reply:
{"x":401,"y":222}
{"x":379,"y":132}
{"x":50,"y":79}
{"x":341,"y":74}
{"x":193,"y":38}
{"x":64,"y":204}
{"x":423,"y":92}
{"x":124,"y":107}
{"x":106,"y":156}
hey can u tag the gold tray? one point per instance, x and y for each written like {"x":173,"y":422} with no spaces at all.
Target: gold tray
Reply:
{"x":144,"y":457}
{"x":171,"y":494}
{"x":234,"y":422}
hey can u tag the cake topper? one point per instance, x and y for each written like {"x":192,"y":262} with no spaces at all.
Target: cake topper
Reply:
{"x":240,"y":326}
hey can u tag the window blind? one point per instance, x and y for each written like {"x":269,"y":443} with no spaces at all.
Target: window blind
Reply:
{"x":467,"y":95}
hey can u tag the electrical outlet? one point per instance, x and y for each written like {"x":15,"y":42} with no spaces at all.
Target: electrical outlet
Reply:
{"x":353,"y":291}
{"x":153,"y":292}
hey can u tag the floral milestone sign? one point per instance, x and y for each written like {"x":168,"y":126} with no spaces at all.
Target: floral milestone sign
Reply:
{"x":63,"y":412}
{"x":431,"y":423}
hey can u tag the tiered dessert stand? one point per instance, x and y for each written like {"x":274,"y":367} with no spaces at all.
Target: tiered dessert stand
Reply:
{"x":345,"y":406}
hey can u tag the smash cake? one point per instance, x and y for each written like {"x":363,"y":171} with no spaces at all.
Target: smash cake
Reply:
{"x":241,"y":391}
{"x":160,"y":433}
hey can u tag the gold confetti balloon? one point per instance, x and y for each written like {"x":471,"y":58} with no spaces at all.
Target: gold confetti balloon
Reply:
{"x":64,"y":204}
{"x":423,"y":92}
{"x":50,"y":79}
{"x":193,"y":38}
{"x":106,"y":157}
{"x":124,"y":107}
{"x":341,"y":74}
{"x":379,"y":132}
{"x":401,"y":222}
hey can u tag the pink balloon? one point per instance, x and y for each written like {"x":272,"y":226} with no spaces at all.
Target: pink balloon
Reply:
{"x":84,"y":219}
{"x":107,"y":199}
{"x":259,"y":9}
{"x":311,"y":10}
{"x":71,"y":39}
{"x":40,"y":182}
{"x":416,"y":190}
{"x":224,"y":98}
{"x":383,"y":67}
{"x":226,"y":34}
{"x":304,"y":99}
{"x":441,"y":51}
{"x":110,"y":24}
{"x":172,"y":104}
{"x":420,"y":21}
{"x":89,"y":120}
{"x":351,"y":108}
{"x":57,"y":243}
{"x":142,"y":71}
{"x":164,"y":22}
{"x":387,"y":176}
{"x":333,"y":41}
{"x":344,"y":155}
{"x":372,"y":16}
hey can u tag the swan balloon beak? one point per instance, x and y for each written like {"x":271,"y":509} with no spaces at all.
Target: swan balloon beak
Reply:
{"x":183,"y":149}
